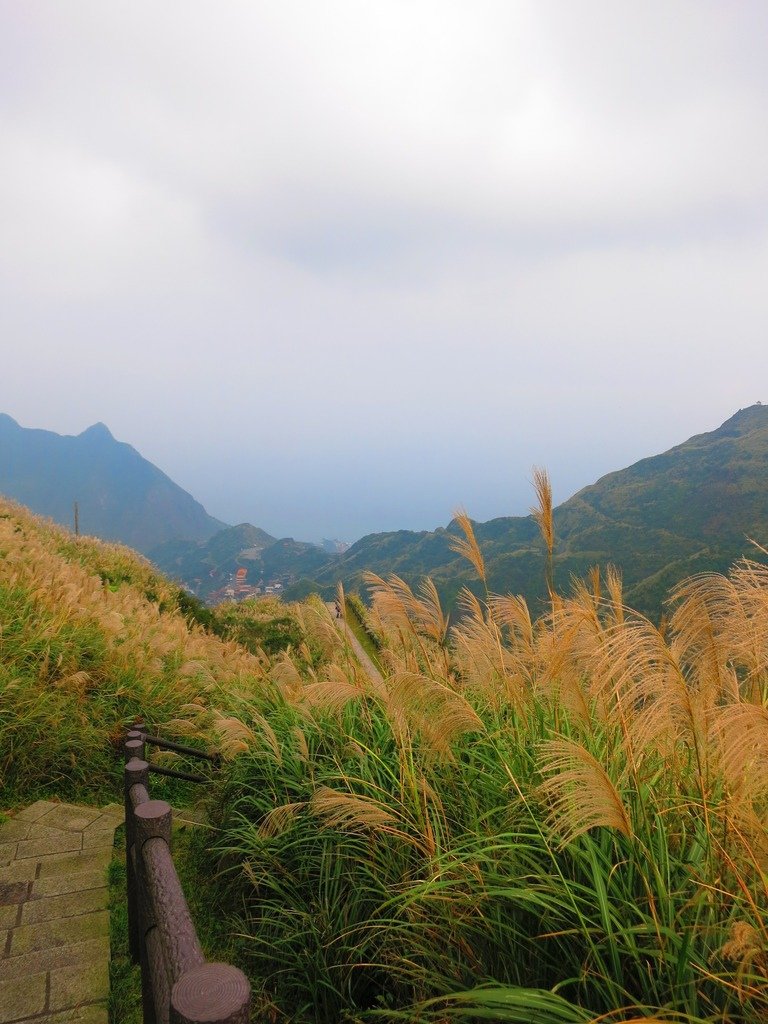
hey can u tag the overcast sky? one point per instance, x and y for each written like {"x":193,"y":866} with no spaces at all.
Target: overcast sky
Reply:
{"x":340,"y":266}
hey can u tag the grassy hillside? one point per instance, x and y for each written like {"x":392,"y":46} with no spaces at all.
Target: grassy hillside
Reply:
{"x":92,"y":638}
{"x":529,"y":819}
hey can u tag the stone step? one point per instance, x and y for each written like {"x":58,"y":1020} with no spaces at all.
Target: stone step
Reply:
{"x":54,"y":922}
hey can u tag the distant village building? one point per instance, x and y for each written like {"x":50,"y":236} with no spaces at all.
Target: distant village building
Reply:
{"x":238,"y":589}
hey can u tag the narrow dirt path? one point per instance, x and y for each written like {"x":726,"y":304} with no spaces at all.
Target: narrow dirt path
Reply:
{"x":371,"y":671}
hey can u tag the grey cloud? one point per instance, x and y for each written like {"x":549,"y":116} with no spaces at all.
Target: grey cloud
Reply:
{"x":339,"y":267}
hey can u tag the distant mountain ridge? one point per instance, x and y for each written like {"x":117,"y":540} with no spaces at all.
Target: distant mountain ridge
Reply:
{"x":120,"y":495}
{"x":687,"y":510}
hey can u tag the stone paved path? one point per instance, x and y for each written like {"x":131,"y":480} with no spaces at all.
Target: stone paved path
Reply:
{"x":54,"y":921}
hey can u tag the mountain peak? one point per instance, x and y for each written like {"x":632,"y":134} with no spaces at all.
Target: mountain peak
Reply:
{"x":99,"y":431}
{"x":120,"y":495}
{"x":753,"y":417}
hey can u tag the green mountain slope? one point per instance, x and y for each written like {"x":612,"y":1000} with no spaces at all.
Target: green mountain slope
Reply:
{"x":120,"y":495}
{"x":204,"y":567}
{"x":201,"y":566}
{"x":687,"y":510}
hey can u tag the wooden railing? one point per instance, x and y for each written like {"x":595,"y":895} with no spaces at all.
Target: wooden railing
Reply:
{"x":177,"y":985}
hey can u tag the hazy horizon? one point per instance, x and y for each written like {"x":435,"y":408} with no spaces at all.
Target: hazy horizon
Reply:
{"x":342,"y":268}
{"x":276,"y":531}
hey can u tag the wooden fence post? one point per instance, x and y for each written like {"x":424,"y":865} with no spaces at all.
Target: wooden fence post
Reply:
{"x":177,"y":985}
{"x":152,"y":822}
{"x":136,"y":772}
{"x":211,"y":994}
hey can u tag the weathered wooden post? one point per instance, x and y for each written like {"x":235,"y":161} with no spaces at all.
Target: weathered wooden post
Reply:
{"x":136,"y":772}
{"x":152,"y":822}
{"x":134,"y":745}
{"x":211,"y":994}
{"x":177,"y":985}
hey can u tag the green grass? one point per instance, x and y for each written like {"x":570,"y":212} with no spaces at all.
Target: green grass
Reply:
{"x":357,"y":626}
{"x":124,"y":976}
{"x":418,"y":869}
{"x":467,"y":906}
{"x":214,"y":929}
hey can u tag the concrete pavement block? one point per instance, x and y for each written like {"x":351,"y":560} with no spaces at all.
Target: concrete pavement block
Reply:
{"x":13,"y":892}
{"x":96,"y":1013}
{"x":8,"y":916}
{"x":18,"y":871}
{"x":88,"y":951}
{"x":61,"y":932}
{"x":35,"y":811}
{"x":58,"y":885}
{"x":38,"y":831}
{"x":7,"y":853}
{"x":69,"y":863}
{"x":101,"y":840}
{"x":71,"y":904}
{"x":54,"y":921}
{"x":69,"y":817}
{"x":22,"y":997}
{"x":13,"y":830}
{"x":104,"y":823}
{"x":59,"y":842}
{"x":114,"y":813}
{"x":73,"y":986}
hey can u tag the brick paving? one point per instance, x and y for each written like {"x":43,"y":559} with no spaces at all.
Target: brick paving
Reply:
{"x":54,"y":921}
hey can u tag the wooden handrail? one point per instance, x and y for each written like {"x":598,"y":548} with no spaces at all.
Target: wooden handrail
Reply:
{"x":177,"y":985}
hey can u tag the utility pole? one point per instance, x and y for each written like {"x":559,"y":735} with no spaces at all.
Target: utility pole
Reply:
{"x":77,"y":520}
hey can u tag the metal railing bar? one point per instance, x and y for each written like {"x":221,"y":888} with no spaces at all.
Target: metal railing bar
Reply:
{"x":172,"y":773}
{"x":180,"y":748}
